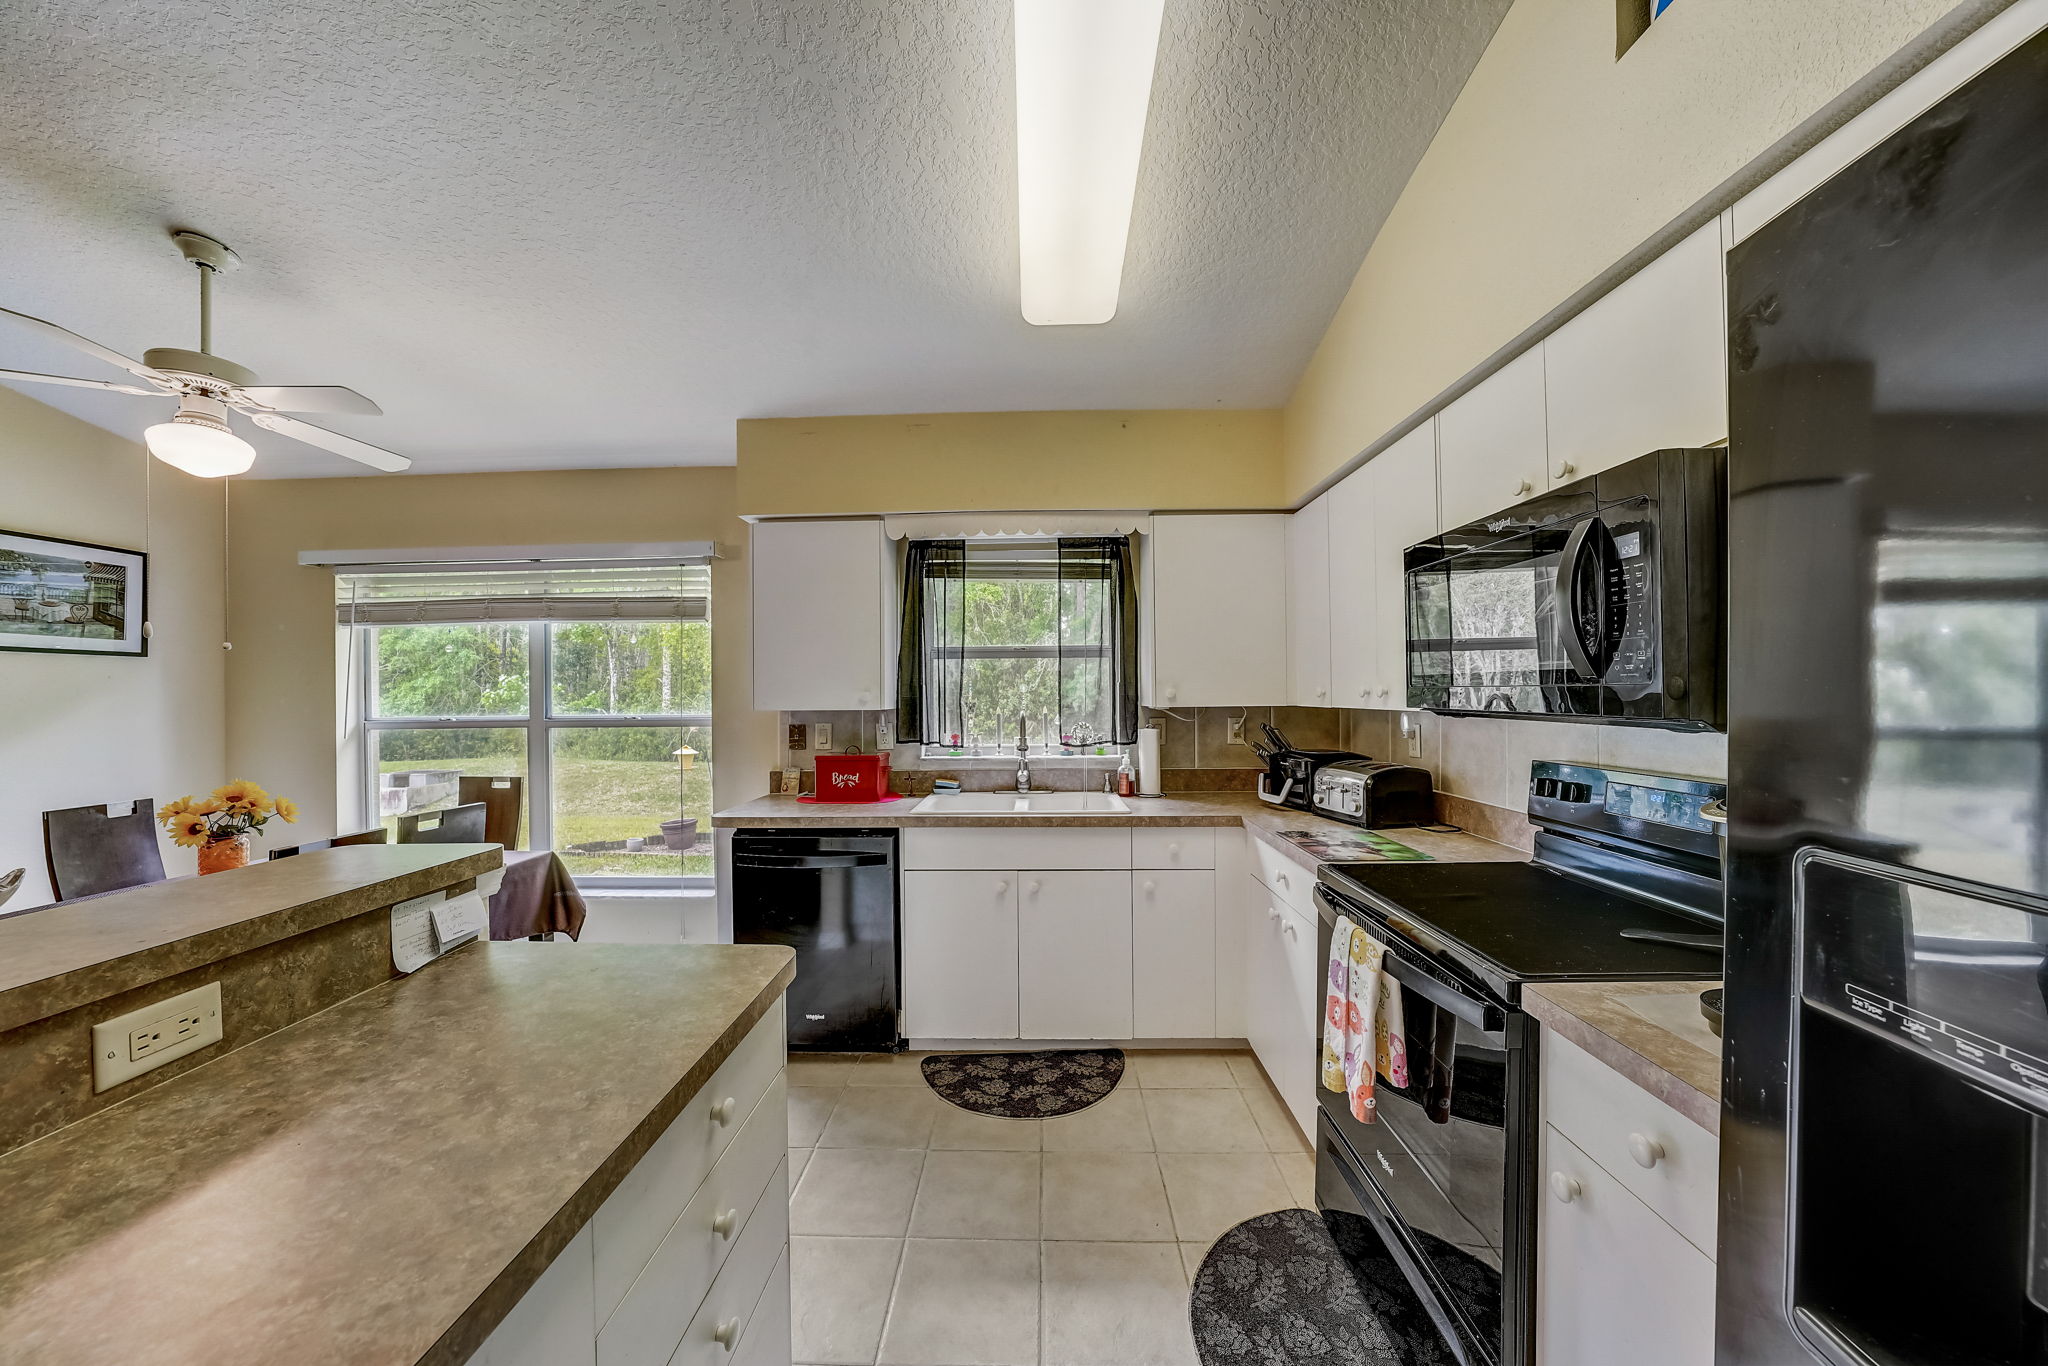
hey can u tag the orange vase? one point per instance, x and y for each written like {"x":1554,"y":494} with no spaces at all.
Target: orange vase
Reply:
{"x":221,"y":855}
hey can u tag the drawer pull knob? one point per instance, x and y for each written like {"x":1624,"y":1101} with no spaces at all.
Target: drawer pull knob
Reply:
{"x":1002,"y":889}
{"x":1032,"y":886}
{"x":1281,"y":878}
{"x":725,"y":1223}
{"x":1150,"y":886}
{"x":726,"y":1333}
{"x":1524,"y":488}
{"x":722,"y":1113}
{"x":1567,"y":470}
{"x":1647,"y":1152}
{"x":1565,"y":1188}
{"x":1289,"y":931}
{"x":1272,"y":915}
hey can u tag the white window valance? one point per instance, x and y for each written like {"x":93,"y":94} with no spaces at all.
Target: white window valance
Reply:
{"x":975,"y":526}
{"x":450,"y":586}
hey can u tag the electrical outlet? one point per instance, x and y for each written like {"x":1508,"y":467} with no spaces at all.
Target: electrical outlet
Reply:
{"x":884,"y":734}
{"x":1236,"y":735}
{"x":821,"y":736}
{"x":161,"y":1032}
{"x":1413,"y":733}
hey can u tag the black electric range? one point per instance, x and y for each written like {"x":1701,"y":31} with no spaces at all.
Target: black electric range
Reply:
{"x":1624,"y":886}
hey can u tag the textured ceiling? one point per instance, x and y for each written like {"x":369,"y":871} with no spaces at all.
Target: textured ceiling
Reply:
{"x":560,"y":233}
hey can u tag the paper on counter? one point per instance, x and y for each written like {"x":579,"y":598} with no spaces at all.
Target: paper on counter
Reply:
{"x":460,"y":919}
{"x":413,"y":944}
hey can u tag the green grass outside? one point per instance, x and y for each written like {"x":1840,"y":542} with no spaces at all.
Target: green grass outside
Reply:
{"x":606,"y":799}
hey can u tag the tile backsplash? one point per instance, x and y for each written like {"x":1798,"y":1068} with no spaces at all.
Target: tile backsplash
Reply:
{"x":1480,"y":759}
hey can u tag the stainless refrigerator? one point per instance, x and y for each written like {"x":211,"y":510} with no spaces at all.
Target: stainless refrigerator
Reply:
{"x":1884,"y":1184}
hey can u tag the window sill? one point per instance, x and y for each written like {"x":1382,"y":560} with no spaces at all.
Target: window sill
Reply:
{"x":947,"y":756}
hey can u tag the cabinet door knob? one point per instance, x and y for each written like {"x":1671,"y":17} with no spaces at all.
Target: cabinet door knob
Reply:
{"x":1321,"y":691}
{"x":1272,"y":915}
{"x":722,"y":1113}
{"x":1002,"y":889}
{"x":1150,"y":886}
{"x":1287,"y":928}
{"x":1383,"y":692}
{"x":1032,"y":886}
{"x":726,"y":1333}
{"x":1565,"y":1188}
{"x":1173,"y":846}
{"x":725,"y":1223}
{"x":1524,"y":488}
{"x":1172,"y":693}
{"x":1647,"y":1152}
{"x":1281,"y":878}
{"x":1364,"y":691}
{"x":1567,"y":470}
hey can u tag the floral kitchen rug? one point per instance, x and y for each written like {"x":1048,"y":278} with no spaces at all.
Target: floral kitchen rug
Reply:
{"x":1056,"y":1081}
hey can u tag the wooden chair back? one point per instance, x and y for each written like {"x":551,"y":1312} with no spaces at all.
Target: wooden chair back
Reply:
{"x":378,"y":836}
{"x":501,"y":801}
{"x":450,"y":825}
{"x":89,"y":850}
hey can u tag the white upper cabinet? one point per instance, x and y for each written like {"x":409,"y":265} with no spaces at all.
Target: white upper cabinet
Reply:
{"x":1215,"y":634}
{"x":1354,"y":598}
{"x":1404,"y":514}
{"x":1643,"y":369}
{"x":1492,"y":443}
{"x":824,"y":616}
{"x":1308,"y":605}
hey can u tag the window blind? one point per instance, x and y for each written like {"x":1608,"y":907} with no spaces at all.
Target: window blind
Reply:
{"x":540,"y":591}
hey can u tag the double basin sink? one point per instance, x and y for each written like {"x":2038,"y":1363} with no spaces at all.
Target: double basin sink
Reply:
{"x":1022,"y":804}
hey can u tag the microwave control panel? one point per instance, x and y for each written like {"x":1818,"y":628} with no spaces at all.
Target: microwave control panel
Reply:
{"x":1635,"y":671}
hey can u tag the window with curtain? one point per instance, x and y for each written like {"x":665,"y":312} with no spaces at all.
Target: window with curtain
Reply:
{"x":592,"y":684}
{"x":1001,"y":631}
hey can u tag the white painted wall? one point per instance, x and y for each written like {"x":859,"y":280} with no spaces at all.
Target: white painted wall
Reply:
{"x":76,"y":729}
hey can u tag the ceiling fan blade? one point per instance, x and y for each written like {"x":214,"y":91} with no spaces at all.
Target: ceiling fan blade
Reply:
{"x":85,"y":344}
{"x":374,"y":456}
{"x":312,"y":398}
{"x":84,"y":383}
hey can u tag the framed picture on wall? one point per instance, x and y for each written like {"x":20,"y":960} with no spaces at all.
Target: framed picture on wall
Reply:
{"x":72,"y":597}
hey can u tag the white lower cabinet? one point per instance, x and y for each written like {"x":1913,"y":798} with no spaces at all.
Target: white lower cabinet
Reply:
{"x":1615,"y":1285}
{"x":1625,"y":1221}
{"x":960,"y":954}
{"x":1074,"y":955}
{"x":1173,"y":945}
{"x":1283,"y":1000}
{"x":687,"y":1259}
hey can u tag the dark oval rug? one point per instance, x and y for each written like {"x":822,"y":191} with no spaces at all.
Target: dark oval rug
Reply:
{"x":1057,"y":1081}
{"x":1279,"y":1289}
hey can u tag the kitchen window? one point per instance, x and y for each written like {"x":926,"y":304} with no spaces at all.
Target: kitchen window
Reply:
{"x":591,"y":685}
{"x":999,"y":630}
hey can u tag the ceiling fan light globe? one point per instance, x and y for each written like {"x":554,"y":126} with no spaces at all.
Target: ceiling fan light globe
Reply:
{"x":198,"y":441}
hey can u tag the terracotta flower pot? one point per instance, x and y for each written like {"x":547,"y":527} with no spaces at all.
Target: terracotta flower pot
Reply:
{"x":221,"y":855}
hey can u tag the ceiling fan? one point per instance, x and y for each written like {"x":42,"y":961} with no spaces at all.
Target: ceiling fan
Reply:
{"x":198,"y":439}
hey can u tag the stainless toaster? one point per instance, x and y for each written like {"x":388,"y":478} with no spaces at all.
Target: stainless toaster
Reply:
{"x":1370,"y":793}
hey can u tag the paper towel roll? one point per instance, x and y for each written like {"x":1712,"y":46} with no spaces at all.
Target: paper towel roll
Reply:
{"x":1148,"y":761}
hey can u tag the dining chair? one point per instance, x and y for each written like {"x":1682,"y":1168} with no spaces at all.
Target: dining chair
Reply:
{"x":501,"y":798}
{"x":449,"y":825}
{"x":377,"y":836}
{"x":90,"y":850}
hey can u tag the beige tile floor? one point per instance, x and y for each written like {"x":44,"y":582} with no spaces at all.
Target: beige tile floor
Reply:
{"x":922,"y":1235}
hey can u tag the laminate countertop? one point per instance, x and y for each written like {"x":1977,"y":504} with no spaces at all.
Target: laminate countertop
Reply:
{"x":1650,"y":1032}
{"x":375,"y":1185}
{"x":1220,"y":810}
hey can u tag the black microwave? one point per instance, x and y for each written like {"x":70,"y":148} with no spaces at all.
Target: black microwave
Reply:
{"x":1599,"y":601}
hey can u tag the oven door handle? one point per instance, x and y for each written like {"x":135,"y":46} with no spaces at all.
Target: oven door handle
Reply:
{"x":1488,"y":1019}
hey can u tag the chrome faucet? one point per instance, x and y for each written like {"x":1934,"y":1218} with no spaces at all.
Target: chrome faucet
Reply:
{"x":1023,"y":757}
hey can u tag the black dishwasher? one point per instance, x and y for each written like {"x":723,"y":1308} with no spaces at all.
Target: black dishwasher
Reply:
{"x":831,"y":896}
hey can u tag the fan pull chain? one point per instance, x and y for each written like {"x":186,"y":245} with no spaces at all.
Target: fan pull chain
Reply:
{"x":225,"y":643}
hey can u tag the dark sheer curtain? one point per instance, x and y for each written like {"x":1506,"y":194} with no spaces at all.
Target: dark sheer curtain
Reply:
{"x":929,"y":676}
{"x":997,"y":630}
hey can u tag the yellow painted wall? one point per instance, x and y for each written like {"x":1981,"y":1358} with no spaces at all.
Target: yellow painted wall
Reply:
{"x":82,"y":729}
{"x":283,"y":673}
{"x":974,"y":462}
{"x":1556,"y":162}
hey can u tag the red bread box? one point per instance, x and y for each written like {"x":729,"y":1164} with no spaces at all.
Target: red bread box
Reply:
{"x":853,"y":778}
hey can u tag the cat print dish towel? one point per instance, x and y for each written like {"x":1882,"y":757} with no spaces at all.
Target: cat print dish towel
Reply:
{"x":1363,"y":1034}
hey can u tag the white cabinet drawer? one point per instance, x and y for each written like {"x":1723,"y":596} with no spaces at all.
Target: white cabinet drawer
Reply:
{"x":1285,"y":878}
{"x":1154,"y":847}
{"x":650,"y":1320}
{"x":1615,"y":1285}
{"x":765,"y":1341}
{"x":721,"y":1321}
{"x":1621,"y":1126}
{"x":1010,"y":847}
{"x":634,"y":1219}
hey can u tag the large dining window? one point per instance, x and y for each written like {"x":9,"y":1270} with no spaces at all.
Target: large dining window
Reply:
{"x":599,"y":700}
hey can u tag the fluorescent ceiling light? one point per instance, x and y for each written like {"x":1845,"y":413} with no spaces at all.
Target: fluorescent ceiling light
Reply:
{"x":1084,"y":81}
{"x":198,"y":441}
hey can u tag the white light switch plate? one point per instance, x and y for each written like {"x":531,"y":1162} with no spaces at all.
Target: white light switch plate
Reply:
{"x":821,"y":736}
{"x":129,"y":1045}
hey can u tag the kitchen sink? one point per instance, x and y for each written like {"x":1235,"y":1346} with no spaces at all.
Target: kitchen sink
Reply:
{"x":1022,"y":804}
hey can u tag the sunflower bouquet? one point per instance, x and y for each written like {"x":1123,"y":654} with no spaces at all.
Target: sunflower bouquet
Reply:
{"x":219,"y":824}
